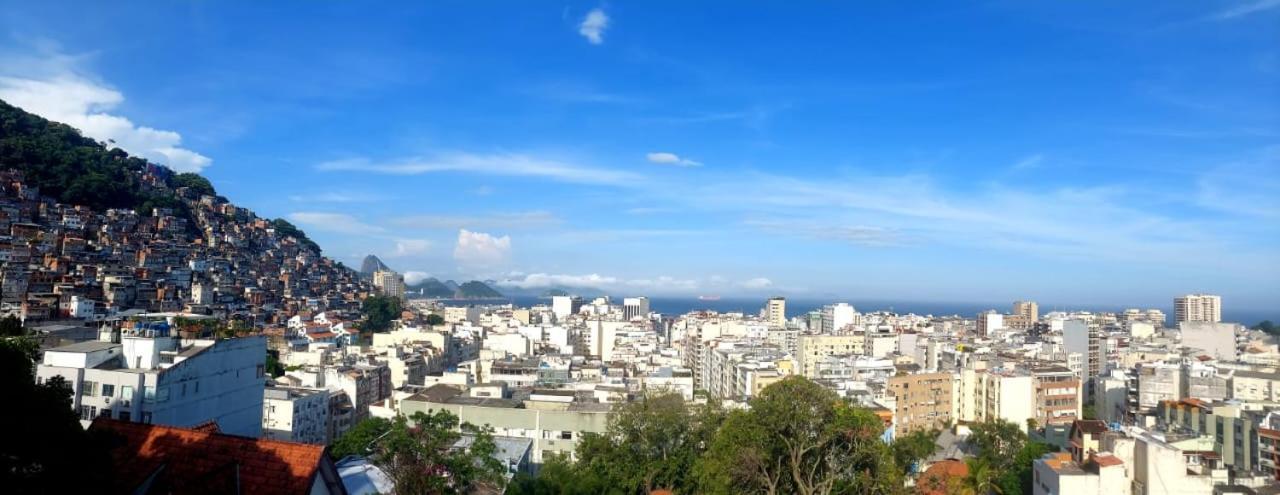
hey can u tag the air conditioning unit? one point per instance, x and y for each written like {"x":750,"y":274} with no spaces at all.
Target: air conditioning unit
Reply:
{"x":106,"y":400}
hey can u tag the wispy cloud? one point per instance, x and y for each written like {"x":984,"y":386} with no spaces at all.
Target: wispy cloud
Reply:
{"x":56,"y":86}
{"x":411,"y":247}
{"x":1029,"y":162}
{"x":757,"y":283}
{"x":665,"y":158}
{"x":339,"y":223}
{"x":505,"y":221}
{"x":593,"y":26}
{"x":507,"y":164}
{"x":572,"y":92}
{"x":1246,"y":9}
{"x":859,"y":235}
{"x":337,"y":197}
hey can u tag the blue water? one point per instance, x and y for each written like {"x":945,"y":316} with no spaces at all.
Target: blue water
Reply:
{"x":674,"y":306}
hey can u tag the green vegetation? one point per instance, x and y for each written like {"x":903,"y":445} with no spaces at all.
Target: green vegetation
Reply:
{"x":476,"y":290}
{"x":418,"y":453}
{"x":1004,"y":458}
{"x":273,"y":364}
{"x":914,"y":447}
{"x":11,"y":326}
{"x":431,"y":287}
{"x":44,"y":450}
{"x":195,"y":182}
{"x":797,"y":437}
{"x":435,"y":319}
{"x":1268,"y":327}
{"x":284,"y":228}
{"x":379,"y":311}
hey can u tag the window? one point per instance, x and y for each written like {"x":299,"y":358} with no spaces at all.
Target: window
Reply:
{"x":149,"y":393}
{"x":566,"y":435}
{"x":104,"y":413}
{"x":108,"y":390}
{"x":126,"y":392}
{"x":88,"y":412}
{"x":124,"y":416}
{"x":146,"y":417}
{"x":162,"y":395}
{"x":88,"y":388}
{"x":261,"y":371}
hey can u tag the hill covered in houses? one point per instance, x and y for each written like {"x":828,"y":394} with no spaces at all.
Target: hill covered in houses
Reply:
{"x":86,"y":230}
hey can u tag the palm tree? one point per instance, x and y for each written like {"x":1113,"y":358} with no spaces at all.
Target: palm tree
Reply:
{"x":982,"y":478}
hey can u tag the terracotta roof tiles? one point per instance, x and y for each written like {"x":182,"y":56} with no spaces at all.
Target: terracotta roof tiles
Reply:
{"x":204,"y":461}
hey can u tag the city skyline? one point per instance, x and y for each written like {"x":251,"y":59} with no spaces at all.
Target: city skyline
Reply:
{"x":801,"y":153}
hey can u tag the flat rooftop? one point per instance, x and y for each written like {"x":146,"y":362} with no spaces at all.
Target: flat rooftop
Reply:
{"x":85,"y":347}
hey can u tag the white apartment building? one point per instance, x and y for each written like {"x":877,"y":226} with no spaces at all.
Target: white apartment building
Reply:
{"x":836,"y":317}
{"x":389,"y":283}
{"x":151,"y":377}
{"x":635,"y":307}
{"x":296,"y":414}
{"x":1197,"y":307}
{"x":1217,"y":340}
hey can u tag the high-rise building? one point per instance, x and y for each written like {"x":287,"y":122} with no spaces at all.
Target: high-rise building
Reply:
{"x":389,"y":283}
{"x":837,"y":316}
{"x":989,"y":321}
{"x":1197,"y":307}
{"x":1027,"y":309}
{"x":775,"y":310}
{"x":635,"y":307}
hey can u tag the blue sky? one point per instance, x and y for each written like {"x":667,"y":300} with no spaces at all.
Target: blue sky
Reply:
{"x":1072,"y":152}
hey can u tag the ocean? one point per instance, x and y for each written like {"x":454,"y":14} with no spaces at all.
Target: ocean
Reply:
{"x":674,"y":306}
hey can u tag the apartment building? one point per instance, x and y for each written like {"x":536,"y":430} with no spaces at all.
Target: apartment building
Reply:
{"x":922,"y":401}
{"x":296,"y":414}
{"x":1197,"y":307}
{"x":813,"y":348}
{"x":153,"y":377}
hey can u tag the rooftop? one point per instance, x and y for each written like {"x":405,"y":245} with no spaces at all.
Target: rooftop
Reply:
{"x":85,"y":347}
{"x":180,"y":460}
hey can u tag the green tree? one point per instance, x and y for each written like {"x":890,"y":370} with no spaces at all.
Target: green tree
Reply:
{"x":1018,"y":476}
{"x":359,"y":439}
{"x":273,"y":364}
{"x":198,"y":184}
{"x":982,"y":478}
{"x":379,"y":311}
{"x":45,"y":450}
{"x":1268,"y":327}
{"x":435,"y":319}
{"x":799,"y":437}
{"x":420,"y":455}
{"x":914,"y":447}
{"x":652,"y":443}
{"x":997,"y":442}
{"x":11,"y":326}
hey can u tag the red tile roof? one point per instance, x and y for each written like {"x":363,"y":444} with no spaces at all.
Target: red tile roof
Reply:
{"x":938,"y":479}
{"x":186,"y":460}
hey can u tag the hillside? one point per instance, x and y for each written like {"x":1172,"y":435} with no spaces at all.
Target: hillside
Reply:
{"x":72,"y":209}
{"x":435,"y":289}
{"x":77,"y":170}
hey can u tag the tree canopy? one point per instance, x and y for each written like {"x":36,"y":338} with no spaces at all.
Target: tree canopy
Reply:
{"x":423,"y":453}
{"x":379,"y":311}
{"x":44,"y":450}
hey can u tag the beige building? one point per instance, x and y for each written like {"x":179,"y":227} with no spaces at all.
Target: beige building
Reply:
{"x":923,"y":401}
{"x":1027,"y":309}
{"x":555,"y":427}
{"x":389,"y":283}
{"x":1197,"y":307}
{"x":776,"y":312}
{"x":988,"y":395}
{"x":815,"y":347}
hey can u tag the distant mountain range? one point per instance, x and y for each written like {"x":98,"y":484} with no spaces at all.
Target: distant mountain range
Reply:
{"x":448,"y":289}
{"x":433,"y":287}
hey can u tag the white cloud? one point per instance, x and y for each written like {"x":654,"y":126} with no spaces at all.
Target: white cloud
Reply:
{"x":517,"y":220}
{"x":411,"y":247}
{"x":593,"y":26}
{"x":1246,"y":9}
{"x":507,"y":164}
{"x":757,"y":283}
{"x":52,"y":85}
{"x":340,"y":223}
{"x":664,"y":158}
{"x":481,"y":250}
{"x":412,"y":277}
{"x":596,"y":281}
